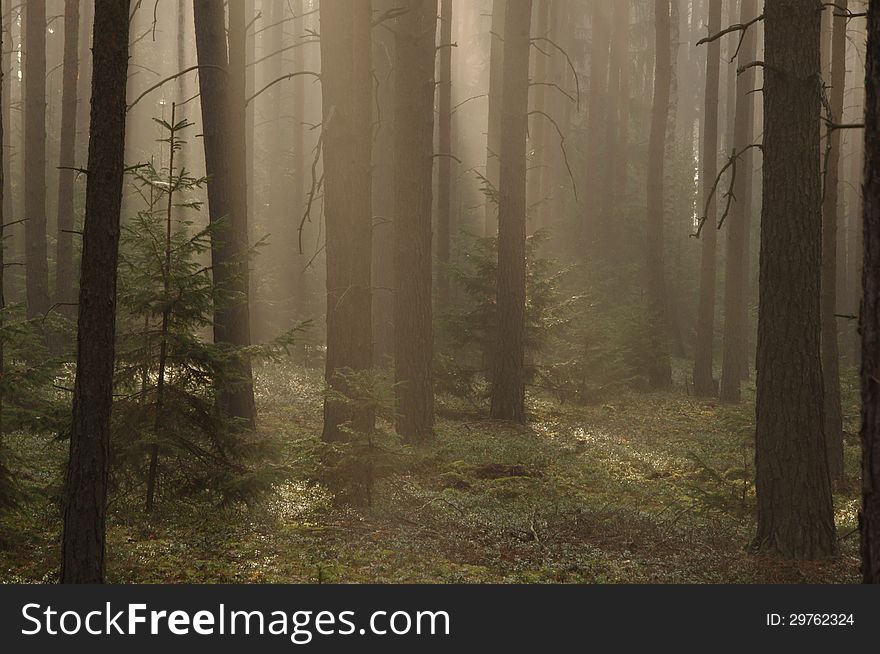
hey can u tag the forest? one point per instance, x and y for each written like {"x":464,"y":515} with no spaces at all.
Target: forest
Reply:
{"x":440,"y":291}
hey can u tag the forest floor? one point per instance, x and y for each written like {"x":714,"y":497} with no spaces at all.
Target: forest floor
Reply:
{"x":648,"y":488}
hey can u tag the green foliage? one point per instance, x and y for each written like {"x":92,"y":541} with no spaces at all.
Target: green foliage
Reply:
{"x":369,"y":452}
{"x":32,"y":393}
{"x":468,"y":333}
{"x":169,"y":372}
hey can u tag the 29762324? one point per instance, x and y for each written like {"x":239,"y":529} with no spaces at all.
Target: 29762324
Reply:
{"x":810,"y":620}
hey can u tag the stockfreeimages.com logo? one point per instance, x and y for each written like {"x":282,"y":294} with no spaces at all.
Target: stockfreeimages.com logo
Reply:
{"x":300,"y":626}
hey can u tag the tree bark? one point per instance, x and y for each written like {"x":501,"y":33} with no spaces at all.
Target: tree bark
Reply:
{"x":795,"y":514}
{"x":539,"y":175}
{"x":596,"y":137}
{"x":508,"y":381}
{"x":738,"y":223}
{"x":659,"y":365}
{"x":415,"y":36}
{"x":493,"y":138}
{"x":36,"y":263}
{"x":383,"y":201}
{"x":64,"y":287}
{"x":346,"y":80}
{"x":83,"y":540}
{"x":704,"y":379}
{"x":444,"y":150}
{"x":869,"y":518}
{"x":5,"y":126}
{"x":616,"y":163}
{"x":830,"y":241}
{"x":222,"y":100}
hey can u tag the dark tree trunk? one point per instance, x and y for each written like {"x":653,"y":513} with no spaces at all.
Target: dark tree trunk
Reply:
{"x":383,"y":200}
{"x":82,"y":545}
{"x":36,"y":263}
{"x":222,"y":99}
{"x":5,"y":153}
{"x":4,"y":101}
{"x":496,"y":82}
{"x":704,"y":379}
{"x":84,"y":79}
{"x":444,"y":150}
{"x":738,"y":224}
{"x":413,"y":149}
{"x":659,"y":365}
{"x":795,"y":514}
{"x":64,"y":277}
{"x":830,"y":239}
{"x":869,"y":519}
{"x":346,"y":81}
{"x":508,"y":380}
{"x":242,"y":50}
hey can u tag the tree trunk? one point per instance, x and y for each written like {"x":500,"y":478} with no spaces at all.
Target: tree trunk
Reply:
{"x":36,"y":263}
{"x":383,"y":199}
{"x":737,"y":224}
{"x":415,"y":35}
{"x":830,"y":231}
{"x":346,"y":80}
{"x":84,"y":79}
{"x":539,"y":175}
{"x":596,"y":137}
{"x":64,"y":287}
{"x":659,"y":365}
{"x":5,"y":126}
{"x":493,"y":138}
{"x":508,"y":381}
{"x":222,"y":99}
{"x":795,"y":514}
{"x":704,"y":379}
{"x":82,"y":544}
{"x":869,"y":519}
{"x":444,"y":150}
{"x":616,"y":164}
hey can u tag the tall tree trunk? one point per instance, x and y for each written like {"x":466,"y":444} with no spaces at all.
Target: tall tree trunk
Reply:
{"x":64,"y":277}
{"x":738,"y":223}
{"x":493,"y":138}
{"x":830,"y":239}
{"x":346,"y":81}
{"x":795,"y":515}
{"x":415,"y":36}
{"x":300,"y":171}
{"x":444,"y":150}
{"x":616,"y":164}
{"x":5,"y":60}
{"x":222,"y":99}
{"x":36,"y":263}
{"x":596,"y":116}
{"x":5,"y":126}
{"x":704,"y":379}
{"x":82,"y":543}
{"x":869,"y":519}
{"x":538,"y":176}
{"x":659,"y":365}
{"x":508,"y":381}
{"x":383,"y":199}
{"x":84,"y":78}
{"x":242,"y":50}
